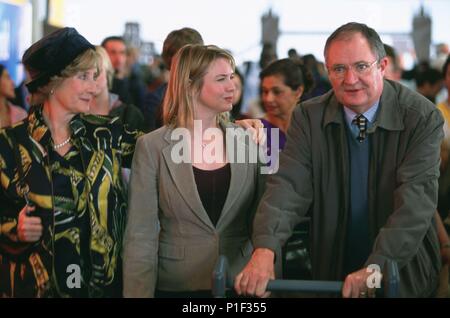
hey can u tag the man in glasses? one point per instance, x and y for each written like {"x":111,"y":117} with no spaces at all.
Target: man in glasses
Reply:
{"x":363,"y":162}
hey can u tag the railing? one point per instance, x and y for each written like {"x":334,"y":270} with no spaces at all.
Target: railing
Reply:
{"x":221,"y":282}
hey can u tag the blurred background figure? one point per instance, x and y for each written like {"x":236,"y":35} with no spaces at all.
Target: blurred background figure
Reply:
{"x":108,"y":104}
{"x":393,"y":70}
{"x":127,"y":84}
{"x":238,"y":81}
{"x":23,"y":96}
{"x":155,"y":74}
{"x":174,"y":41}
{"x":283,"y":83}
{"x":293,"y":55}
{"x":9,"y":113}
{"x":442,"y":52}
{"x":444,"y":106}
{"x":136,"y":84}
{"x":117,"y":51}
{"x":429,"y":83}
{"x":251,"y":102}
{"x":444,"y":178}
{"x":321,"y":82}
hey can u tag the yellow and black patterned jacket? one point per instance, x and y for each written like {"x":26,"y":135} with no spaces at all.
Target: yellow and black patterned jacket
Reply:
{"x":104,"y":146}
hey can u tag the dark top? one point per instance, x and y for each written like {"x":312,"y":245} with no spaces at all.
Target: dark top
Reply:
{"x":212,"y":186}
{"x":131,"y":90}
{"x":71,"y":227}
{"x":129,"y":115}
{"x":281,"y":136}
{"x":152,"y":109}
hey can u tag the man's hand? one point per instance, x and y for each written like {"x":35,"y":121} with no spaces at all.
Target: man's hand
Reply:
{"x":356,"y":286}
{"x":255,"y":126}
{"x":29,"y":228}
{"x":253,"y":279}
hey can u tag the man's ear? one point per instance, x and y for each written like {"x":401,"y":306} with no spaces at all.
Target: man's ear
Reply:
{"x":383,"y":64}
{"x":299,"y":91}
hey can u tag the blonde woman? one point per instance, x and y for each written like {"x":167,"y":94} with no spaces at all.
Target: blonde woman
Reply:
{"x":109,"y":104}
{"x":184,"y":214}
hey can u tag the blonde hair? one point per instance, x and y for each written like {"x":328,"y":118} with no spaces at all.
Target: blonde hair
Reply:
{"x":105,"y":64}
{"x":85,"y":61}
{"x":189,"y":67}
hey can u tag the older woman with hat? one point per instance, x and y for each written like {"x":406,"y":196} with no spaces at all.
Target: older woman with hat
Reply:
{"x":62,"y":203}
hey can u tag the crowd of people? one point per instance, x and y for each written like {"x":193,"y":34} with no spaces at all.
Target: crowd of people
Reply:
{"x":110,"y":187}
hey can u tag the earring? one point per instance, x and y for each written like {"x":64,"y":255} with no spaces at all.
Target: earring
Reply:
{"x":52,"y":92}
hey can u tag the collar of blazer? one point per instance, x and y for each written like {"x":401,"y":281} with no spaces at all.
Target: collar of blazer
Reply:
{"x":242,"y":175}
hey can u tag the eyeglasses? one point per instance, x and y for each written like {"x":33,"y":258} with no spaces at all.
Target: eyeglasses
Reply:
{"x":360,"y":68}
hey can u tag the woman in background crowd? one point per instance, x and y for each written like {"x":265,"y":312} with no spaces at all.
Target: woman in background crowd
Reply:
{"x":109,"y":104}
{"x":283,"y":83}
{"x":9,"y":113}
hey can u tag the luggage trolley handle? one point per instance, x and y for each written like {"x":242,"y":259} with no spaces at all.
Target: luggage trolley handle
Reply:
{"x":221,"y":282}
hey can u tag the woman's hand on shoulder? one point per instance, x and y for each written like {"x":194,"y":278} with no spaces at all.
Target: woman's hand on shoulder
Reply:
{"x":255,"y":126}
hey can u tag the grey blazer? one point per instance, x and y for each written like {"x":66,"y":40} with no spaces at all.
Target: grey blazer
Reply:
{"x":170,"y":243}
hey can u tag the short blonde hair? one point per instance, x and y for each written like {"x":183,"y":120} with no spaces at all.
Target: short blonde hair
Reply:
{"x":85,"y":61}
{"x":189,"y":67}
{"x":105,"y":64}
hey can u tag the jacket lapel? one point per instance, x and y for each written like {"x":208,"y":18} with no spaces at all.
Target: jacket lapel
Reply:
{"x":238,"y":172}
{"x":183,"y":178}
{"x":237,"y":182}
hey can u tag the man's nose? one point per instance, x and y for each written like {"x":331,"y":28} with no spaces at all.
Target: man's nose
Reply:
{"x":350,"y":76}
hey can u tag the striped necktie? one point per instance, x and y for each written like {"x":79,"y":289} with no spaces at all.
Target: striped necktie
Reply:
{"x":361,"y":122}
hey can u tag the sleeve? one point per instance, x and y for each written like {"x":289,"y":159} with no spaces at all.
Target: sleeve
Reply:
{"x":8,"y":207}
{"x":289,"y":193}
{"x":260,"y":182}
{"x":415,"y":197}
{"x":140,"y":258}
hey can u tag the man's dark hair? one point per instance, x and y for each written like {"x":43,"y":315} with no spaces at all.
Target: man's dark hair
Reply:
{"x":112,"y":38}
{"x":390,"y":51}
{"x":430,"y":76}
{"x":348,"y":30}
{"x":176,"y":40}
{"x":294,"y":74}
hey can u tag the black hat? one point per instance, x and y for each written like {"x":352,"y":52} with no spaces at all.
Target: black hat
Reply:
{"x":52,"y":54}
